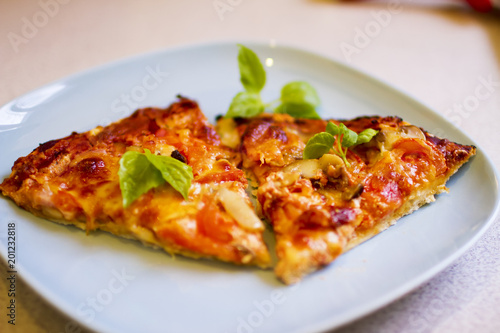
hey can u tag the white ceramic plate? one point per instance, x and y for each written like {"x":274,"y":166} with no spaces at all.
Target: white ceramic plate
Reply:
{"x":114,"y":285}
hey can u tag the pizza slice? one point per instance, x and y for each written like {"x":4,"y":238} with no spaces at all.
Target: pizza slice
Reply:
{"x":321,"y":207}
{"x":75,"y":180}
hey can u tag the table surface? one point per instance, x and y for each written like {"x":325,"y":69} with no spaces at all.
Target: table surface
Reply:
{"x":437,"y":52}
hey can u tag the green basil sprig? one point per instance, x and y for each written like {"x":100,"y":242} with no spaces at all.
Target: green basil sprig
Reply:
{"x":322,"y":143}
{"x":298,"y":99}
{"x":140,"y":172}
{"x":252,"y":73}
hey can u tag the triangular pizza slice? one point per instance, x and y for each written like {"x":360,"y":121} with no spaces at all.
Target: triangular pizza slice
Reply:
{"x":321,"y":207}
{"x":318,"y":207}
{"x":75,"y":180}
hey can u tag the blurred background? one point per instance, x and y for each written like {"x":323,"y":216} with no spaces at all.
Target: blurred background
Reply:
{"x":440,"y":52}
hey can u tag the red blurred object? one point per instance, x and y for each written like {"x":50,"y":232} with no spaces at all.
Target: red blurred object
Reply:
{"x":481,"y":5}
{"x":478,"y":5}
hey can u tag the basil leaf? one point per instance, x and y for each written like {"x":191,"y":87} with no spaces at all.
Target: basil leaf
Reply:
{"x":298,"y":110}
{"x":252,"y":73}
{"x":349,"y":137}
{"x":299,"y":92}
{"x":245,"y":104}
{"x":140,"y":172}
{"x":176,"y":173}
{"x":318,"y":145}
{"x":366,"y":135}
{"x":332,"y":128}
{"x":298,"y":99}
{"x":137,"y":176}
{"x":321,"y":143}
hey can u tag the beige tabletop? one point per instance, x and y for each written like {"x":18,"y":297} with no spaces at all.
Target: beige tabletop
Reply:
{"x":443,"y":55}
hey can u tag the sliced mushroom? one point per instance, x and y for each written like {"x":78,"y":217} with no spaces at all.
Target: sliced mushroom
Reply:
{"x":328,"y":160}
{"x":353,"y":192}
{"x":334,"y":168}
{"x":237,"y":207}
{"x":389,"y":135}
{"x":411,"y":131}
{"x":306,"y":168}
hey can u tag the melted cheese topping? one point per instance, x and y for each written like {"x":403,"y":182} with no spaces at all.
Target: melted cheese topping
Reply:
{"x":319,"y":207}
{"x":75,"y":180}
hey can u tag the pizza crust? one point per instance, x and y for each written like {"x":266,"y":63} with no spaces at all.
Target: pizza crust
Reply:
{"x":74,"y":180}
{"x":321,"y":208}
{"x":318,"y":209}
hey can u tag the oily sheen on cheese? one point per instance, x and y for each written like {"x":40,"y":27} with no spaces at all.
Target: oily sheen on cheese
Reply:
{"x":317,"y":208}
{"x":320,"y":208}
{"x":74,"y":180}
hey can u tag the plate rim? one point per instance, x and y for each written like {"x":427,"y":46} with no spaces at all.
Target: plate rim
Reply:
{"x":354,"y":314}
